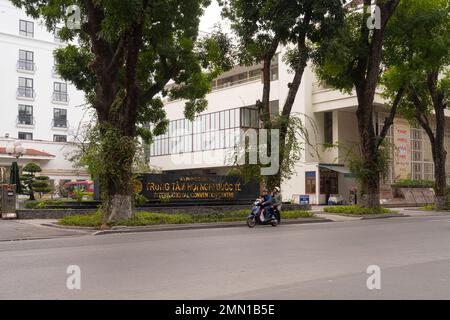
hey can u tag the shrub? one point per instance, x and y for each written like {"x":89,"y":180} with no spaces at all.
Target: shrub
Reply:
{"x":139,"y":199}
{"x":409,"y":183}
{"x":357,"y":210}
{"x":152,"y":218}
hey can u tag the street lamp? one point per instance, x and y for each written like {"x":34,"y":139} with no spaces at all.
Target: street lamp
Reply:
{"x":16,"y":150}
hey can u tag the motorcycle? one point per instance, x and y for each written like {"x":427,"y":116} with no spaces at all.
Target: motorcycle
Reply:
{"x":257,"y":215}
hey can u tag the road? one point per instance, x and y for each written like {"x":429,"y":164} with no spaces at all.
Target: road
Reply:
{"x":310,"y":261}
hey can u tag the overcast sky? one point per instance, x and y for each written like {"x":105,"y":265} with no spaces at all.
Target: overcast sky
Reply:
{"x":211,"y":17}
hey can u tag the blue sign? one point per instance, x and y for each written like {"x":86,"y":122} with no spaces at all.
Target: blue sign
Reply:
{"x":304,"y":199}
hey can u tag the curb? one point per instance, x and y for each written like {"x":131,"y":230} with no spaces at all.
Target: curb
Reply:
{"x":200,"y":226}
{"x":398,"y":215}
{"x":368,"y":217}
{"x":71,"y":228}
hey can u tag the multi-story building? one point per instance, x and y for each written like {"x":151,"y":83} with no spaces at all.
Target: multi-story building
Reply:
{"x":38,"y":108}
{"x":206,"y":145}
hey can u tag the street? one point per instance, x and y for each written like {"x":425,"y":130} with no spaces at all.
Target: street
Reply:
{"x":310,"y":261}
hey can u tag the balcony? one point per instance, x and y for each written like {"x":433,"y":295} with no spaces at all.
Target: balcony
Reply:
{"x":59,"y":123}
{"x":26,"y":66}
{"x":25,"y":120}
{"x":60,"y":97}
{"x":326,"y":99}
{"x":25,"y":93}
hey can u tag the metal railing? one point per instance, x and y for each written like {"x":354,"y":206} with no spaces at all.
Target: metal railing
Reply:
{"x":59,"y":123}
{"x":25,"y":92}
{"x":60,"y":97}
{"x":25,"y":119}
{"x":26,"y":65}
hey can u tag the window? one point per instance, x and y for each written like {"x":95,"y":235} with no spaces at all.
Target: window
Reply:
{"x":26,"y":60}
{"x":56,"y":34}
{"x":310,"y":182}
{"x":59,"y":138}
{"x":328,"y":127}
{"x":60,"y":92}
{"x":25,"y":87}
{"x":274,"y":68}
{"x":274,"y":106}
{"x":60,"y":118}
{"x":210,"y":131}
{"x":26,"y":28}
{"x":25,"y":114}
{"x":25,"y":136}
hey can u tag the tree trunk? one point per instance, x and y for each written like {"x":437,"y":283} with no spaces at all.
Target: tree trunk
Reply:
{"x":439,"y":158}
{"x":118,"y":155}
{"x":370,"y":179}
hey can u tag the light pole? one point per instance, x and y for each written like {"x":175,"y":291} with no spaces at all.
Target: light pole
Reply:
{"x":16,"y":151}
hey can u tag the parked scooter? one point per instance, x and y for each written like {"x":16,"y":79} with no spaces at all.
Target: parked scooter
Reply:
{"x":257,"y":215}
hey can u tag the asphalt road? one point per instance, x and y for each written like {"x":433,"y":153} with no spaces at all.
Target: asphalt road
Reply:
{"x":310,"y":261}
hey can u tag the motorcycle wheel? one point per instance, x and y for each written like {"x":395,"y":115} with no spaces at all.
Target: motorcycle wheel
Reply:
{"x":274,"y":223}
{"x":251,"y":222}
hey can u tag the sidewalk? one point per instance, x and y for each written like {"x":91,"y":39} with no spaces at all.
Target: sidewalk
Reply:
{"x":13,"y":230}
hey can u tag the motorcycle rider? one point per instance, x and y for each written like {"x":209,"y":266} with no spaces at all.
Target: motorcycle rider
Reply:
{"x":267,"y":203}
{"x":277,"y":201}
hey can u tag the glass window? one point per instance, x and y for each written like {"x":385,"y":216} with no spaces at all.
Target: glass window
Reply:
{"x":26,"y":28}
{"x":60,"y":118}
{"x":25,"y":136}
{"x":310,"y":182}
{"x":56,"y":34}
{"x":232,"y":118}
{"x":245,"y":117}
{"x":26,"y":60}
{"x":227,"y":119}
{"x":25,"y":114}
{"x":60,"y":91}
{"x":274,"y":107}
{"x":59,"y":138}
{"x":26,"y":87}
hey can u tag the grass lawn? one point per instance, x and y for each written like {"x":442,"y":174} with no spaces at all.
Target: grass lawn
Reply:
{"x":151,"y":218}
{"x":356,"y":210}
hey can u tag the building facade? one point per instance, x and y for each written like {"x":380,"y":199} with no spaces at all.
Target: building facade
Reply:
{"x":206,"y":145}
{"x":38,"y":108}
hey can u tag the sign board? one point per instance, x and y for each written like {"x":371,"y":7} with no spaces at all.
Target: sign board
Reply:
{"x":402,"y":141}
{"x":195,"y":187}
{"x":304,"y":199}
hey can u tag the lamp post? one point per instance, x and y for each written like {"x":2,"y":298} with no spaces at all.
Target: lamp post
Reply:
{"x":16,"y":150}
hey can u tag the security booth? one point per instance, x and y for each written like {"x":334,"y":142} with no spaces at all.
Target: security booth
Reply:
{"x":8,"y":201}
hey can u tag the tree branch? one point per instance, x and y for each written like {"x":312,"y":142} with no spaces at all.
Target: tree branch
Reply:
{"x":421,"y":118}
{"x":388,"y":121}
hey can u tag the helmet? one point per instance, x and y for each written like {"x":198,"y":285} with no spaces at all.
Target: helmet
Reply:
{"x":277,"y":189}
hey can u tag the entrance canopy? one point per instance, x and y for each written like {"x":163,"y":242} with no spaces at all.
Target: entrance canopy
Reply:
{"x":336,"y":168}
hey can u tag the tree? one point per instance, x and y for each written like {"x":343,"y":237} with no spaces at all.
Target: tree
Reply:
{"x":41,"y":185}
{"x":353,"y":60}
{"x":261,"y":26}
{"x":418,"y":56}
{"x":127,"y":53}
{"x":28,"y":178}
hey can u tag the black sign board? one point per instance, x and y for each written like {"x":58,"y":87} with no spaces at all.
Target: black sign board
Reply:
{"x":194,"y":187}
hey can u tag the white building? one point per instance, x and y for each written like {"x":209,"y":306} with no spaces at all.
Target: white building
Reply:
{"x":37,"y":107}
{"x":206,"y":144}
